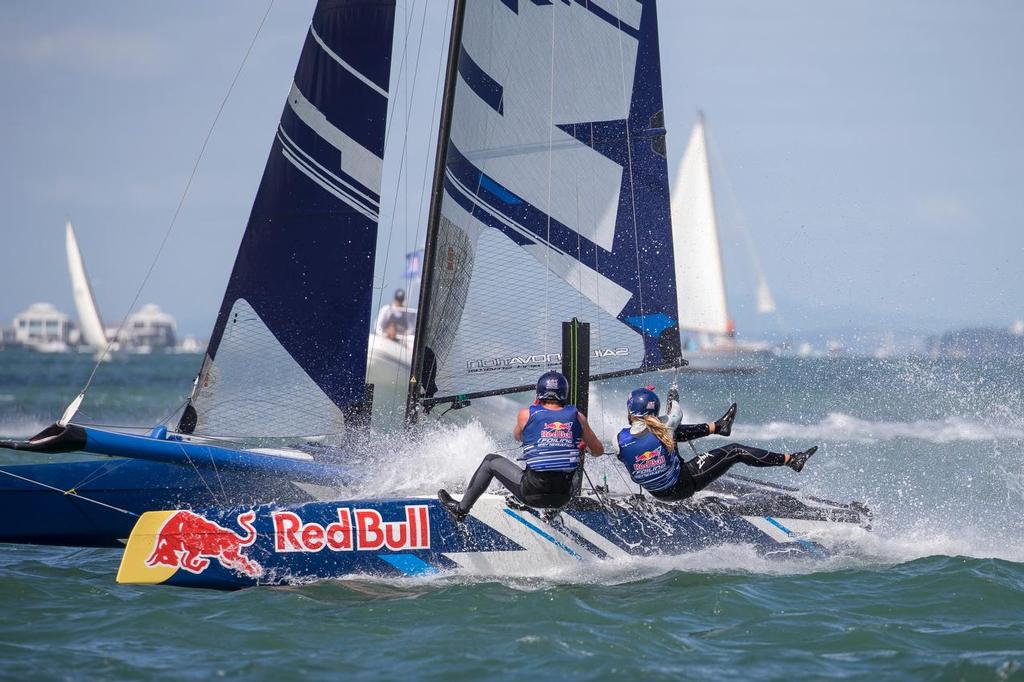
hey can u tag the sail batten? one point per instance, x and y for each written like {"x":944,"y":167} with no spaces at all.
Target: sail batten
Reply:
{"x":287,"y":356}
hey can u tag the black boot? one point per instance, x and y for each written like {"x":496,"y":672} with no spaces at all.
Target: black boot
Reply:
{"x":723,"y":427}
{"x":451,"y":506}
{"x":798,"y":459}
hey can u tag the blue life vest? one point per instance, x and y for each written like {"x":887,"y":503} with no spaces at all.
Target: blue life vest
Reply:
{"x":648,"y":461}
{"x":551,"y":439}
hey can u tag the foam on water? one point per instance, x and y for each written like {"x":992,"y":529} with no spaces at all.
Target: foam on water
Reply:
{"x":837,"y":426}
{"x":21,"y":427}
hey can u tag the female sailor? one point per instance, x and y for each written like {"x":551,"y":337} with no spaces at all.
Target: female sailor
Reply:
{"x":553,"y":435}
{"x":648,"y":448}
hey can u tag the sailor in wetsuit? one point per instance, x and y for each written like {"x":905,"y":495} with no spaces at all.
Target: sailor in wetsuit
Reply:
{"x":648,"y":448}
{"x":553,"y":435}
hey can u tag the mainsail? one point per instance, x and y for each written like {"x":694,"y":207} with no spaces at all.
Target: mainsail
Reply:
{"x":85,"y":303}
{"x":288,"y":351}
{"x":700,"y":282}
{"x":554,"y":198}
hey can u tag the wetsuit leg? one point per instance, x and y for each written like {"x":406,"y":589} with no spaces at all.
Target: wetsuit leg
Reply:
{"x":493,"y":466}
{"x":705,"y":468}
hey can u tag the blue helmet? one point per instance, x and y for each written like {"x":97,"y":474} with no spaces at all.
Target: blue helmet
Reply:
{"x":643,"y":401}
{"x":553,"y":386}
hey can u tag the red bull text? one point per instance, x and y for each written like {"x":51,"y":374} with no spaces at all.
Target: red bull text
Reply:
{"x":556,"y":430}
{"x":355,"y":530}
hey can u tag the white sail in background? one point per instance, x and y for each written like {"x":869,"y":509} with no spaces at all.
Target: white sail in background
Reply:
{"x":88,"y":316}
{"x":765,"y":300}
{"x":700,"y":284}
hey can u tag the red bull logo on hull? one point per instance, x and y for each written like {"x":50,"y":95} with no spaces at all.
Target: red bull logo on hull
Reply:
{"x":189,"y":541}
{"x":355,"y":530}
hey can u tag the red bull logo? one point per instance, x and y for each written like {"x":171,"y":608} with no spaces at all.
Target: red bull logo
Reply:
{"x":647,"y":455}
{"x":189,"y":541}
{"x":649,"y":460}
{"x":355,"y":530}
{"x":556,"y":430}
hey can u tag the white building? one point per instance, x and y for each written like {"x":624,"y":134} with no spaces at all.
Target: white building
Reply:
{"x":43,"y":328}
{"x":148,"y":329}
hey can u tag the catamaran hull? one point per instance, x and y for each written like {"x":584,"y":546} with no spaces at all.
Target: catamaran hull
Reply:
{"x":96,"y":503}
{"x":279,"y":545}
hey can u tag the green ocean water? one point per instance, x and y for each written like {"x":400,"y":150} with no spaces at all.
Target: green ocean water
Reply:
{"x":935,"y":592}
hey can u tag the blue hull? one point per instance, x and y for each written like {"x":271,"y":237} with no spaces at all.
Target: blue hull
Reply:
{"x":96,"y":503}
{"x":229,"y":548}
{"x":108,"y":496}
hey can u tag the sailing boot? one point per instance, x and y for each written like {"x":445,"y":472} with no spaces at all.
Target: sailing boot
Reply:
{"x":451,"y":506}
{"x":798,"y":459}
{"x":723,"y":427}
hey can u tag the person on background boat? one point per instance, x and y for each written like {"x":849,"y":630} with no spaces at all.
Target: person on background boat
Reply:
{"x":647,"y":448}
{"x":553,"y":434}
{"x":393,"y":319}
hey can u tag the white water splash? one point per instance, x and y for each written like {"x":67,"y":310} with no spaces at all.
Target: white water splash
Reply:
{"x":437,"y":456}
{"x":847,"y":428}
{"x":21,"y":427}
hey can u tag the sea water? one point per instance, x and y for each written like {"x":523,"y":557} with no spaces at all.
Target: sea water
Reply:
{"x":936,"y":591}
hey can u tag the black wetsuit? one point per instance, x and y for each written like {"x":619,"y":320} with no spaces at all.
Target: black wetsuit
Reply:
{"x":543,"y":489}
{"x":699,"y":472}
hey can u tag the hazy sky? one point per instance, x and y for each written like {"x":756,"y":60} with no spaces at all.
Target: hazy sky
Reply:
{"x":874,"y":150}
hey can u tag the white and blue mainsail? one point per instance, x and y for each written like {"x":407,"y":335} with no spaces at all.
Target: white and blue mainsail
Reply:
{"x":554,"y":199}
{"x":287,"y":356}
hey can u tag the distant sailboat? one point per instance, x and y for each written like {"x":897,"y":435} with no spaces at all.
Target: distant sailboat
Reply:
{"x":89,"y":323}
{"x":708,"y":331}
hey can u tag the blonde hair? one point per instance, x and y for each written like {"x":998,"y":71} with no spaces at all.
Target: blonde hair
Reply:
{"x":658,"y":428}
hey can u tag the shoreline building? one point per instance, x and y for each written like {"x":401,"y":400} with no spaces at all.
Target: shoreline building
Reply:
{"x":43,"y":328}
{"x":147,"y":330}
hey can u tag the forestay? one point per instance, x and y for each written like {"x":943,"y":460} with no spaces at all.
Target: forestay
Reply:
{"x":288,"y":351}
{"x":555,"y":198}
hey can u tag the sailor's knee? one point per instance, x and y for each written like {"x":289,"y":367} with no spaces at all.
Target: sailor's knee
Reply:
{"x":488,"y":458}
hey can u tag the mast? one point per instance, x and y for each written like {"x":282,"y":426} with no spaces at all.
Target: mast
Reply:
{"x":412,"y":403}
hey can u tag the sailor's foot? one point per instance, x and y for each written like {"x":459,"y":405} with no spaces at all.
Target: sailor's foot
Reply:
{"x":798,"y":459}
{"x":451,"y":506}
{"x":723,"y":427}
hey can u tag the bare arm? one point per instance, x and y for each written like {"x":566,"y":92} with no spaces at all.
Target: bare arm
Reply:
{"x":595,"y":446}
{"x":517,"y":432}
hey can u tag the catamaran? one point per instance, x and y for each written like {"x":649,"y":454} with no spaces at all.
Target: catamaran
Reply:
{"x":550,"y":200}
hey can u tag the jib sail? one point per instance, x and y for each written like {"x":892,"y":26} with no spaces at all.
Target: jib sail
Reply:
{"x":554,"y":199}
{"x":288,"y":351}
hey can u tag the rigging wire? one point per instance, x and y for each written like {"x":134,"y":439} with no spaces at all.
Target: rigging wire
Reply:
{"x":71,"y":492}
{"x":69,"y":413}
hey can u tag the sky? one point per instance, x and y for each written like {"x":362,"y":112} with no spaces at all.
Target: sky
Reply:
{"x":873,"y":151}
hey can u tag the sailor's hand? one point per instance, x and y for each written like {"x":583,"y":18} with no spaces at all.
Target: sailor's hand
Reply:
{"x":723,"y":427}
{"x":673,"y":395}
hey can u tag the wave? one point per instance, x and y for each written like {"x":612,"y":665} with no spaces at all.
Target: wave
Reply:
{"x":837,"y":426}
